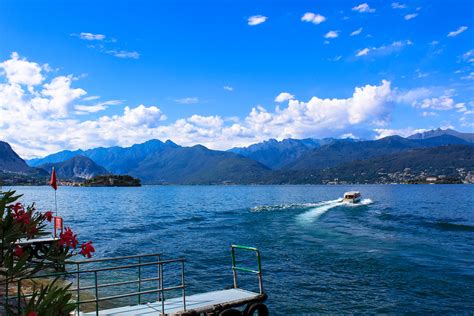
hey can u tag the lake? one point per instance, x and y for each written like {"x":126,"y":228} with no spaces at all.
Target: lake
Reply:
{"x":407,"y":248}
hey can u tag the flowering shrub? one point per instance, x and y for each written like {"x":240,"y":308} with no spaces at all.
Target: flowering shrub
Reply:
{"x":18,"y":223}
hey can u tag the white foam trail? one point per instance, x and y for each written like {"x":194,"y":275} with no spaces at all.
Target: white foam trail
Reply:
{"x":314,"y":213}
{"x":363,"y":202}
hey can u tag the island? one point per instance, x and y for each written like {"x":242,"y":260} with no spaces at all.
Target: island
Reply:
{"x":112,"y":181}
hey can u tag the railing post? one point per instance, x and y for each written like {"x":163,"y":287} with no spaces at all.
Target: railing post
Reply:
{"x":96,"y":294}
{"x":18,"y":294}
{"x":260,"y":281}
{"x":161,"y":288}
{"x":78,"y":290}
{"x":183,"y":285}
{"x":139,"y":280}
{"x":6,"y":292}
{"x":234,"y":272}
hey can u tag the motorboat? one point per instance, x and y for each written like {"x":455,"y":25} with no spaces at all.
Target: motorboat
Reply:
{"x":352,"y":197}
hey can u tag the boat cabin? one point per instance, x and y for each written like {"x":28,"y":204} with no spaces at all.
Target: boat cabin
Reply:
{"x":352,"y":197}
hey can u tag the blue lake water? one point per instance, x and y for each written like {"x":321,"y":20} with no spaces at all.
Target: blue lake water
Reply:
{"x":409,"y":248}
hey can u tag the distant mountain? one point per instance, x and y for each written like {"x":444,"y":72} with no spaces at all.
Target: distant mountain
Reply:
{"x":10,"y":161}
{"x":469,"y":137}
{"x":341,"y":152}
{"x":14,"y":170}
{"x":118,"y":160}
{"x":77,"y":167}
{"x":451,"y":163}
{"x":275,"y":154}
{"x":198,"y":165}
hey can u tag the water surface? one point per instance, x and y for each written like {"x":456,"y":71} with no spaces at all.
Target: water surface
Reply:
{"x":409,"y":248}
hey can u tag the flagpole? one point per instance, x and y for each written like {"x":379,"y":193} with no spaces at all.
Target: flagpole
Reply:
{"x":56,"y":202}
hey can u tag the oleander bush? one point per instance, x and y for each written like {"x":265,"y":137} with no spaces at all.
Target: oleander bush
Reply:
{"x":19,"y":223}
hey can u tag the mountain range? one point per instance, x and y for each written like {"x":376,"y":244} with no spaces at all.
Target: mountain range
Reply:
{"x":75,"y":168}
{"x":272,"y":161}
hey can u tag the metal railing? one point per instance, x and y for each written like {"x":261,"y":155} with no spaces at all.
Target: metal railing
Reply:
{"x":235,"y":268}
{"x":160,"y":290}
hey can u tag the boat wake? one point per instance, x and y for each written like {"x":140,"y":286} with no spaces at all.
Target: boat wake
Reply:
{"x":314,"y":213}
{"x":283,"y":207}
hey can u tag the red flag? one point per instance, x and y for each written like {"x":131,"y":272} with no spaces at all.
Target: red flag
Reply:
{"x":53,"y":180}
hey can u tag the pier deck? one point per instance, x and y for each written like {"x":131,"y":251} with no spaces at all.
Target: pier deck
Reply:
{"x":198,"y":302}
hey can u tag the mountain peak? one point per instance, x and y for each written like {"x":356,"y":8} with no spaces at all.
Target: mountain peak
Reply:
{"x":469,"y":137}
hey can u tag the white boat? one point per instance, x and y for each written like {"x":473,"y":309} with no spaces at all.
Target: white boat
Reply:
{"x":352,"y":197}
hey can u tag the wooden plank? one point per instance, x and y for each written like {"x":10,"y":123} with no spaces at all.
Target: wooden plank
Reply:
{"x":201,"y":302}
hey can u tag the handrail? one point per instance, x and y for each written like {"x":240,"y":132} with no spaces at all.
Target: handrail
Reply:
{"x":113,"y":258}
{"x":235,"y":268}
{"x":96,"y":286}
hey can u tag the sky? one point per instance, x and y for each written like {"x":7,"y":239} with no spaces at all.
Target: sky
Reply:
{"x":84,"y":74}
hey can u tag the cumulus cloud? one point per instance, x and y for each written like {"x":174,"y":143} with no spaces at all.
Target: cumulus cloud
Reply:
{"x":48,"y":114}
{"x":228,"y":88}
{"x":256,"y":20}
{"x":357,"y":32}
{"x":363,"y":8}
{"x":313,"y":18}
{"x":384,"y":49}
{"x":332,"y":34}
{"x":458,"y":31}
{"x":21,"y":71}
{"x":50,"y":122}
{"x":410,"y":16}
{"x":284,"y":96}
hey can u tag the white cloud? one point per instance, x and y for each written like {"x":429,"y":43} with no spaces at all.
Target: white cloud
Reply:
{"x":335,"y":58}
{"x":469,"y":56}
{"x":396,"y":5}
{"x":385,"y":49}
{"x":363,"y":8}
{"x":256,"y":20}
{"x":49,"y":122}
{"x":404,"y":132}
{"x":470,"y":76}
{"x":284,"y":96}
{"x":92,"y":97}
{"x":458,"y":31}
{"x":362,"y":52}
{"x":332,"y":34}
{"x":123,"y":54}
{"x":427,"y":114}
{"x":91,"y":37}
{"x":442,"y":103}
{"x":410,"y":16}
{"x":357,"y":32}
{"x":85,"y":109}
{"x":188,"y":100}
{"x":228,"y":88}
{"x":313,"y":18}
{"x":21,"y":71}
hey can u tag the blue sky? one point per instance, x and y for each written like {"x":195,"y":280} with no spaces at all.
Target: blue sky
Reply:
{"x":121,"y":72}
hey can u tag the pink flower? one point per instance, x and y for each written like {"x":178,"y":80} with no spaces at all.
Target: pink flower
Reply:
{"x":48,"y":216}
{"x":86,"y":249}
{"x":18,"y":251}
{"x":68,"y":238}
